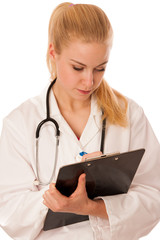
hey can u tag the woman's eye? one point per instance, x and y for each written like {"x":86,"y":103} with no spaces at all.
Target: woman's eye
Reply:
{"x":80,"y":69}
{"x":77,"y":69}
{"x":101,"y":70}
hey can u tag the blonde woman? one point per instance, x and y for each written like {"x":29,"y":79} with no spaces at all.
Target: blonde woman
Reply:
{"x":79,"y":44}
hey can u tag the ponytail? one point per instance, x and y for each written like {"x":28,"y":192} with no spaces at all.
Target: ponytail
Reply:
{"x":113,"y":104}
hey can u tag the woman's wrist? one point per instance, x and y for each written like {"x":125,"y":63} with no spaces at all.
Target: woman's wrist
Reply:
{"x":97,"y":208}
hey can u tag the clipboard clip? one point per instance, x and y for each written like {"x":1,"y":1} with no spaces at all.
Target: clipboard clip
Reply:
{"x":104,"y":156}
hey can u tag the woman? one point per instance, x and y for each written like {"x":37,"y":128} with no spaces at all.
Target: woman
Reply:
{"x":80,"y":40}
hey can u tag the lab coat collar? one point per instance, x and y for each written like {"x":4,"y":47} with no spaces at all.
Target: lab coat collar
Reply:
{"x":92,"y":127}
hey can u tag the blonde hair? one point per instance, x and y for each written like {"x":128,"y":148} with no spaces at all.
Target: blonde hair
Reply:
{"x":90,"y":24}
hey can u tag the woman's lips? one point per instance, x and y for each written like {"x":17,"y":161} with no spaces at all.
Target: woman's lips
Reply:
{"x":84,"y":92}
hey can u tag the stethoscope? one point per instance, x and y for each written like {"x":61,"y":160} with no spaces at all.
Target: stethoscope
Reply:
{"x":37,"y":181}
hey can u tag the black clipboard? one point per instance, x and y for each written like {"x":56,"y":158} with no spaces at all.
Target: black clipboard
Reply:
{"x":105,"y":176}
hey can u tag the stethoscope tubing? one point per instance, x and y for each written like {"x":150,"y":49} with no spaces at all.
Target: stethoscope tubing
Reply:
{"x":49,"y":119}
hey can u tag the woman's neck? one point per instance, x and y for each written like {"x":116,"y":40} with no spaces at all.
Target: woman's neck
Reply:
{"x":74,"y":111}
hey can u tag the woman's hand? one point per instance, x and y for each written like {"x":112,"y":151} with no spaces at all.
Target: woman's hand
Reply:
{"x":78,"y":202}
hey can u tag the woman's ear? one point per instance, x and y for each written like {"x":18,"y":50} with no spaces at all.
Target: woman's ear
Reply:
{"x":51,"y":51}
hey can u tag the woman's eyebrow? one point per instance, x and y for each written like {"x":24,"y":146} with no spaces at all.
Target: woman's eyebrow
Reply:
{"x":85,"y":65}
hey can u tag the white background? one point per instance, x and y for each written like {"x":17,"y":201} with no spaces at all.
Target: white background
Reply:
{"x":134,"y":67}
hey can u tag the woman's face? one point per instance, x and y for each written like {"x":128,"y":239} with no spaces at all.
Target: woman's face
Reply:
{"x":80,"y":68}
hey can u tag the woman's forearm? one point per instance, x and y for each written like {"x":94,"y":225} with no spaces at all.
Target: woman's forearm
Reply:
{"x":97,"y":208}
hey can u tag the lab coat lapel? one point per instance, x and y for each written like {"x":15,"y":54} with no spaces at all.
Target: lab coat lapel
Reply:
{"x":93,"y":125}
{"x":89,"y":132}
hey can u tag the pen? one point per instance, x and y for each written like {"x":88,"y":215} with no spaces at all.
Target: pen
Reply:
{"x":82,"y":153}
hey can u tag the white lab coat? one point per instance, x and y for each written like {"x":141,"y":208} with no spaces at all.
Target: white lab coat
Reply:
{"x":22,"y":212}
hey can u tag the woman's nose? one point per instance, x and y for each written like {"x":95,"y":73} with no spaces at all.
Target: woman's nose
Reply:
{"x":88,"y":80}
